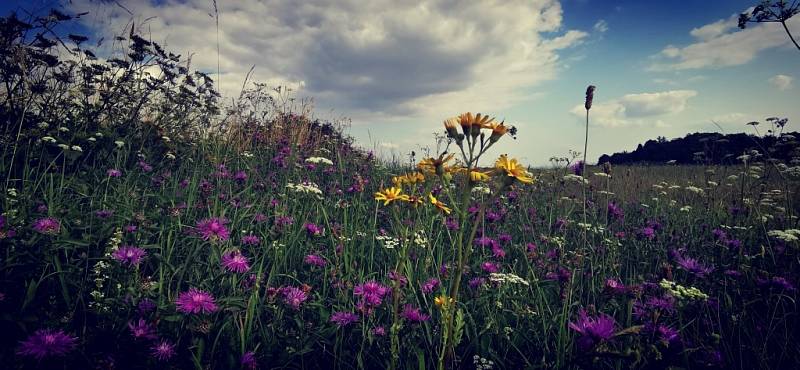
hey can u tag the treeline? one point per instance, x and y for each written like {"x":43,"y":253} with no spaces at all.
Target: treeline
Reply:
{"x":710,"y":148}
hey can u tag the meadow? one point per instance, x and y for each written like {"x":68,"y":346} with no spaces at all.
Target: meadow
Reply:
{"x":145,"y":224}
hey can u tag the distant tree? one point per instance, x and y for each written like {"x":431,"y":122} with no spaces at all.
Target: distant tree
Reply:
{"x":772,"y":12}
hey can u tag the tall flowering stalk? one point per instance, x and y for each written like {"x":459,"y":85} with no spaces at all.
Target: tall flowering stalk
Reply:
{"x":477,"y":134}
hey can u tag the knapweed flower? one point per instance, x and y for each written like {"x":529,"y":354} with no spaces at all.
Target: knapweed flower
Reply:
{"x":250,"y":240}
{"x":378,"y":331}
{"x":142,"y":329}
{"x":163,"y":351}
{"x":389,"y":195}
{"x":129,"y":255}
{"x":692,"y":266}
{"x":513,"y":170}
{"x":430,"y":285}
{"x":490,"y":267}
{"x":615,"y":211}
{"x":235,"y":261}
{"x":47,"y":343}
{"x":47,"y":226}
{"x":294,"y":297}
{"x":114,"y":173}
{"x":371,"y":292}
{"x":315,"y":260}
{"x":413,"y":314}
{"x":213,"y":229}
{"x":312,"y":229}
{"x":614,"y":286}
{"x":439,"y":205}
{"x":343,"y":318}
{"x":248,"y":360}
{"x":593,"y":330}
{"x":196,"y":301}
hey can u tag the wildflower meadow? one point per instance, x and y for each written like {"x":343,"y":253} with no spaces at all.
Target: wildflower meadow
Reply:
{"x":137,"y":231}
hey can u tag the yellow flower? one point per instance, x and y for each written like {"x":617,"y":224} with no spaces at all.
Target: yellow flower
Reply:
{"x":498,"y":130}
{"x":451,"y":125}
{"x":478,"y":176}
{"x":390,"y":194}
{"x":414,"y":200}
{"x":409,"y":178}
{"x":437,"y":166}
{"x":471,"y":125}
{"x":441,"y":206}
{"x":513,"y":169}
{"x":443,"y":300}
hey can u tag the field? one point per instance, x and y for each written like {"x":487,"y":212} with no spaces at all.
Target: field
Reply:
{"x":130,"y":241}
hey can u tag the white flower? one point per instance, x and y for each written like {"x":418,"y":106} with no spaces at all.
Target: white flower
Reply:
{"x":686,"y":208}
{"x":319,"y":160}
{"x":166,"y":139}
{"x":170,"y":156}
{"x":43,"y":125}
{"x":77,"y":148}
{"x":481,"y":189}
{"x":49,"y":139}
{"x":506,"y":278}
{"x":98,"y":134}
{"x":91,"y":139}
{"x":247,"y":154}
{"x":63,"y":146}
{"x":305,"y":187}
{"x":576,"y":178}
{"x":63,"y":129}
{"x":119,"y":143}
{"x":695,"y":190}
{"x":601,"y":174}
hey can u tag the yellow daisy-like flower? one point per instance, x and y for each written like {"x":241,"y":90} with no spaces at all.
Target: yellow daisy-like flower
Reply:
{"x":409,"y":178}
{"x":513,"y":169}
{"x":478,"y":176}
{"x":471,"y":125}
{"x":441,"y":206}
{"x":498,"y":130}
{"x":434,"y":165}
{"x":389,"y":195}
{"x":443,"y":301}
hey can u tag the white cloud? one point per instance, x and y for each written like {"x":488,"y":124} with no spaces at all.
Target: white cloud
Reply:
{"x":601,"y":26}
{"x":637,"y":109}
{"x":722,"y":43}
{"x":782,"y":82}
{"x":379,"y":59}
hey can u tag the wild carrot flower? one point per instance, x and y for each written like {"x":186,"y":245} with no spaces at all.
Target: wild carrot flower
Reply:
{"x":196,"y":301}
{"x":294,"y":297}
{"x":47,"y":343}
{"x":389,"y":195}
{"x":315,"y":260}
{"x":142,"y":329}
{"x":413,"y":314}
{"x":213,"y":229}
{"x":129,"y":255}
{"x":163,"y":350}
{"x":235,"y":261}
{"x":343,"y":318}
{"x":593,"y":330}
{"x":47,"y":226}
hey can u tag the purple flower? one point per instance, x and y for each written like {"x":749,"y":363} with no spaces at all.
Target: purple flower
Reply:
{"x":378,"y":331}
{"x":577,"y":168}
{"x":371,"y":293}
{"x":146,"y":306}
{"x":47,"y":226}
{"x":114,"y":173}
{"x":490,"y":267}
{"x":129,"y":255}
{"x":163,"y":350}
{"x":294,"y":297}
{"x":104,"y":213}
{"x":430,"y":285}
{"x":692,"y":266}
{"x":240,"y":176}
{"x":312,"y":229}
{"x":476,"y":282}
{"x":315,"y":260}
{"x":196,"y":301}
{"x":250,"y":240}
{"x":668,"y":335}
{"x":413,"y":314}
{"x":615,"y":211}
{"x":248,"y":360}
{"x":781,"y":283}
{"x":47,"y":343}
{"x":451,"y":224}
{"x":235,"y":261}
{"x":498,"y":252}
{"x":343,"y":318}
{"x":260,"y":217}
{"x":615,"y":286}
{"x":213,"y":229}
{"x":144,"y":166}
{"x":593,"y":330}
{"x":142,"y":330}
{"x":396,"y":277}
{"x":649,"y":233}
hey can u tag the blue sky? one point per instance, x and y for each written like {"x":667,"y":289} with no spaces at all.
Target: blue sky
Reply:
{"x":662,"y":68}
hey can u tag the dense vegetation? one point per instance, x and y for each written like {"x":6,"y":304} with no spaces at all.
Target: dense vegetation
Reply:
{"x":714,"y":148}
{"x":144,"y":224}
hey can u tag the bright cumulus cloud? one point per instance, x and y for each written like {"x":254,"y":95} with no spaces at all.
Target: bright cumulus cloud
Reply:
{"x":633,"y":109}
{"x":782,"y":82}
{"x":377,"y":57}
{"x":722,"y":43}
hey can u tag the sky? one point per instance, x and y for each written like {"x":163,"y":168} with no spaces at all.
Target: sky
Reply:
{"x":397,"y":69}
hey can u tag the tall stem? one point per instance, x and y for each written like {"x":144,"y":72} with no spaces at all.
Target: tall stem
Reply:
{"x":790,"y":35}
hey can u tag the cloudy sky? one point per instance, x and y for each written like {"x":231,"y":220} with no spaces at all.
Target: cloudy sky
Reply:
{"x":398,"y":68}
